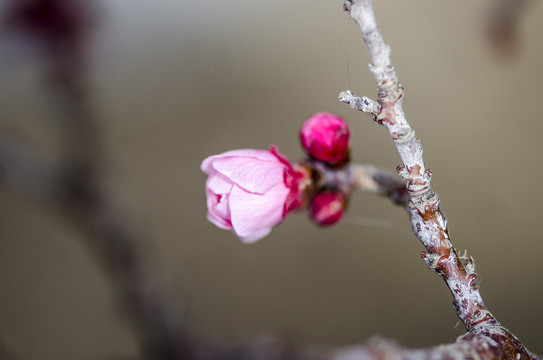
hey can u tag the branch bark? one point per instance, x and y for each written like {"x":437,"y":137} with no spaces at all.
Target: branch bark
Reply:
{"x":428,"y":221}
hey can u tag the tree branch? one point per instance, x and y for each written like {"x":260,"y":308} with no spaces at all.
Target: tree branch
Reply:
{"x":364,"y":104}
{"x":428,"y":221}
{"x":362,"y":177}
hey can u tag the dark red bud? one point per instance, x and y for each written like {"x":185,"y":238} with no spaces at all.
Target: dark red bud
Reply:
{"x":325,"y":137}
{"x":327,"y":208}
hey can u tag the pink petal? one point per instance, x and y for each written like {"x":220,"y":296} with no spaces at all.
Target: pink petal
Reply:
{"x":254,"y":175}
{"x":207,"y":167}
{"x":218,"y":183}
{"x":219,"y":222}
{"x":218,"y":192}
{"x":254,"y":215}
{"x":254,"y":237}
{"x":218,"y":210}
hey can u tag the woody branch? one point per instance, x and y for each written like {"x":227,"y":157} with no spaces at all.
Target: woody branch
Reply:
{"x":428,"y":221}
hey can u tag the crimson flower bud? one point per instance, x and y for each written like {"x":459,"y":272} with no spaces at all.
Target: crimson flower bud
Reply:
{"x":327,"y":207}
{"x":325,"y":137}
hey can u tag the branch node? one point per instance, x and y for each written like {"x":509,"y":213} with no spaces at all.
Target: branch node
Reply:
{"x":402,"y":171}
{"x":364,"y":104}
{"x":403,"y":134}
{"x":422,"y":200}
{"x":467,"y":262}
{"x":431,"y":260}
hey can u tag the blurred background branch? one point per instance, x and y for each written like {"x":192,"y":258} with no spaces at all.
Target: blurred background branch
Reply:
{"x":60,"y":28}
{"x":503,"y":26}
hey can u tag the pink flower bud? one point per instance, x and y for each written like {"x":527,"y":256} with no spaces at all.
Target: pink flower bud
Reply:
{"x":327,"y":207}
{"x":325,"y":137}
{"x":250,"y":191}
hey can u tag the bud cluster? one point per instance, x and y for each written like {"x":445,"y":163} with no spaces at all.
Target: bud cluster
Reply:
{"x":250,"y":191}
{"x":325,"y":138}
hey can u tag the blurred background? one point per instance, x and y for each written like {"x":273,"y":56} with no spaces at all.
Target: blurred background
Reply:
{"x":174,"y":81}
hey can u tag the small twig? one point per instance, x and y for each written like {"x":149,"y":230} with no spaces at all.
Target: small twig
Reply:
{"x":361,"y":177}
{"x":380,"y":182}
{"x":364,"y":104}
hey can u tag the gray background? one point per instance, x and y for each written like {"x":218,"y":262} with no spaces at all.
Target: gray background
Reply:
{"x":178,"y":80}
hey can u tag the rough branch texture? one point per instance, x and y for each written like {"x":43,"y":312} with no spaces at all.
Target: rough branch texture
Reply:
{"x":485,"y":335}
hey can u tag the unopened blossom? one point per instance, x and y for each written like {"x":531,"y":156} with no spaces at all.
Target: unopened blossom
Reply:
{"x":325,"y":137}
{"x":327,"y":207}
{"x":250,"y":191}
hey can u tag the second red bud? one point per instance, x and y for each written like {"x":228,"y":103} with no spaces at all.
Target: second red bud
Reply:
{"x":327,"y":207}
